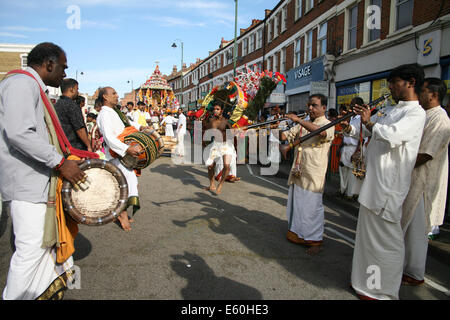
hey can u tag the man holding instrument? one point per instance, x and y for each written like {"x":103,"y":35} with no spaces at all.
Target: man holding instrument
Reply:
{"x":305,"y":212}
{"x":395,"y":133}
{"x":29,"y":159}
{"x":111,"y":123}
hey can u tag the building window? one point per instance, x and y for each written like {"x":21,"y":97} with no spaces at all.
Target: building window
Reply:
{"x":259,"y":38}
{"x":275,"y":26}
{"x":352,"y":27}
{"x":23,"y":60}
{"x":374,"y":34}
{"x":322,"y":39}
{"x":283,"y":18}
{"x":297,"y":52}
{"x":308,"y":46}
{"x":309,"y":4}
{"x":404,"y":13}
{"x":275,"y":63}
{"x":283,"y":60}
{"x":251,"y":45}
{"x":230,"y":56}
{"x":269,"y":31}
{"x":245,"y":47}
{"x":298,"y":9}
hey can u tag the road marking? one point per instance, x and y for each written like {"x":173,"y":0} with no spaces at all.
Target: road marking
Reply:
{"x":271,"y":182}
{"x":437,"y":286}
{"x":343,"y":236}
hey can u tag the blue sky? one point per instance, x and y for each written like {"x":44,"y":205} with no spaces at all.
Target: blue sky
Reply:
{"x":119,"y":40}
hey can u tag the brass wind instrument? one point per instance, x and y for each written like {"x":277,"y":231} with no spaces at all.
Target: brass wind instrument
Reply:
{"x":284,"y":149}
{"x":300,"y":115}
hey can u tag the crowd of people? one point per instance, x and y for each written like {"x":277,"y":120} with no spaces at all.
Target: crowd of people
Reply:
{"x":395,"y":160}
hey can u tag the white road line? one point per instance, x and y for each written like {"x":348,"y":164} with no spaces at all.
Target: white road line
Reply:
{"x":343,"y":236}
{"x":437,"y":286}
{"x":268,"y":181}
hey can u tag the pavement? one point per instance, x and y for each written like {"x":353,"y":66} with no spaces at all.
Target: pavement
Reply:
{"x":439,"y":248}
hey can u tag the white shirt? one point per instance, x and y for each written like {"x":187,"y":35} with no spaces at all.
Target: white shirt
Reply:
{"x":390,"y":157}
{"x":168,"y":120}
{"x":110,"y":126}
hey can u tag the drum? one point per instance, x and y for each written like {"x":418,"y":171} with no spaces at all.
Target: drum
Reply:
{"x":104,"y":199}
{"x":151,"y":145}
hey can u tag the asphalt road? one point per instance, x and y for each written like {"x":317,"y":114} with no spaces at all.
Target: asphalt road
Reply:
{"x":188,"y":243}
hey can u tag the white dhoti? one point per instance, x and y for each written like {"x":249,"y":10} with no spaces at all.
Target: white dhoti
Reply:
{"x":169,"y":130}
{"x":274,"y":149}
{"x":377,"y":265}
{"x":349,"y":183}
{"x":130,"y":176}
{"x":305,"y":213}
{"x":220,"y":149}
{"x":179,"y":149}
{"x":416,"y":244}
{"x":32,"y":269}
{"x":219,"y":167}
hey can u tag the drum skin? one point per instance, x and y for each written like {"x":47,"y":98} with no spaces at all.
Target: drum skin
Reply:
{"x":105,"y":198}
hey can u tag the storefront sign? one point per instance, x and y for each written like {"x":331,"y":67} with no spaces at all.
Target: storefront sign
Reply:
{"x":430,"y":48}
{"x":304,"y":74}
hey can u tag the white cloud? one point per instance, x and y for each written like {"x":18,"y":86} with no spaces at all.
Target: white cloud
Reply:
{"x":25,"y":29}
{"x":98,"y":25}
{"x":12,"y":35}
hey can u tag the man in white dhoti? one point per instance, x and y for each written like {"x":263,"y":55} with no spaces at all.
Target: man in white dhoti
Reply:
{"x":390,"y":157}
{"x":349,"y":183}
{"x":221,"y":148}
{"x":29,"y":159}
{"x":168,"y":122}
{"x":111,"y":125}
{"x":181,"y":131}
{"x":305,"y":212}
{"x":424,"y":207}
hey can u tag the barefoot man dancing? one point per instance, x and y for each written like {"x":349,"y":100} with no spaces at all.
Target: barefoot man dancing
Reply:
{"x":221,"y":149}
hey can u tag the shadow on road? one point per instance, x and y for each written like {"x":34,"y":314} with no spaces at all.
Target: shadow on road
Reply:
{"x":203,"y":284}
{"x":264,"y":234}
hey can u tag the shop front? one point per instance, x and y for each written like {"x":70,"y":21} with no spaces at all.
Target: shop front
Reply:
{"x":298,"y":84}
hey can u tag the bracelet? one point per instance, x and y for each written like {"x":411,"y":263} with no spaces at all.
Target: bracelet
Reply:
{"x":60,"y":164}
{"x":369,"y":124}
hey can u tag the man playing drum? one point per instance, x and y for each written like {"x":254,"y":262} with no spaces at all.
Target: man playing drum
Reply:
{"x":111,"y":126}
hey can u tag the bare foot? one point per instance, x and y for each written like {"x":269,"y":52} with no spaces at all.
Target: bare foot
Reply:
{"x":210,"y":188}
{"x":314,"y":250}
{"x":130,"y":219}
{"x":124,"y":222}
{"x":219,"y":189}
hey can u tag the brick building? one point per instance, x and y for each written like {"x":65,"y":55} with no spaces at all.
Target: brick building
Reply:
{"x":326,"y":46}
{"x":14,"y":56}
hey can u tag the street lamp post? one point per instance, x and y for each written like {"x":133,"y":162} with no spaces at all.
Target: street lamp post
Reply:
{"x":174,"y":46}
{"x":132,"y":91}
{"x":76,"y":74}
{"x":235,"y":36}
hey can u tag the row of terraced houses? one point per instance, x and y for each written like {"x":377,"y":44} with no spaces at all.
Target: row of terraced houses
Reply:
{"x":341,"y":48}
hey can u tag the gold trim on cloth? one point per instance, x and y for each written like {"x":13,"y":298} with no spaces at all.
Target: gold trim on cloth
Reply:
{"x":134,"y":201}
{"x":56,"y":289}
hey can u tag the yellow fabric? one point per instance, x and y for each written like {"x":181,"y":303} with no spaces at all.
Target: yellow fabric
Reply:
{"x":67,"y":228}
{"x":312,"y":155}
